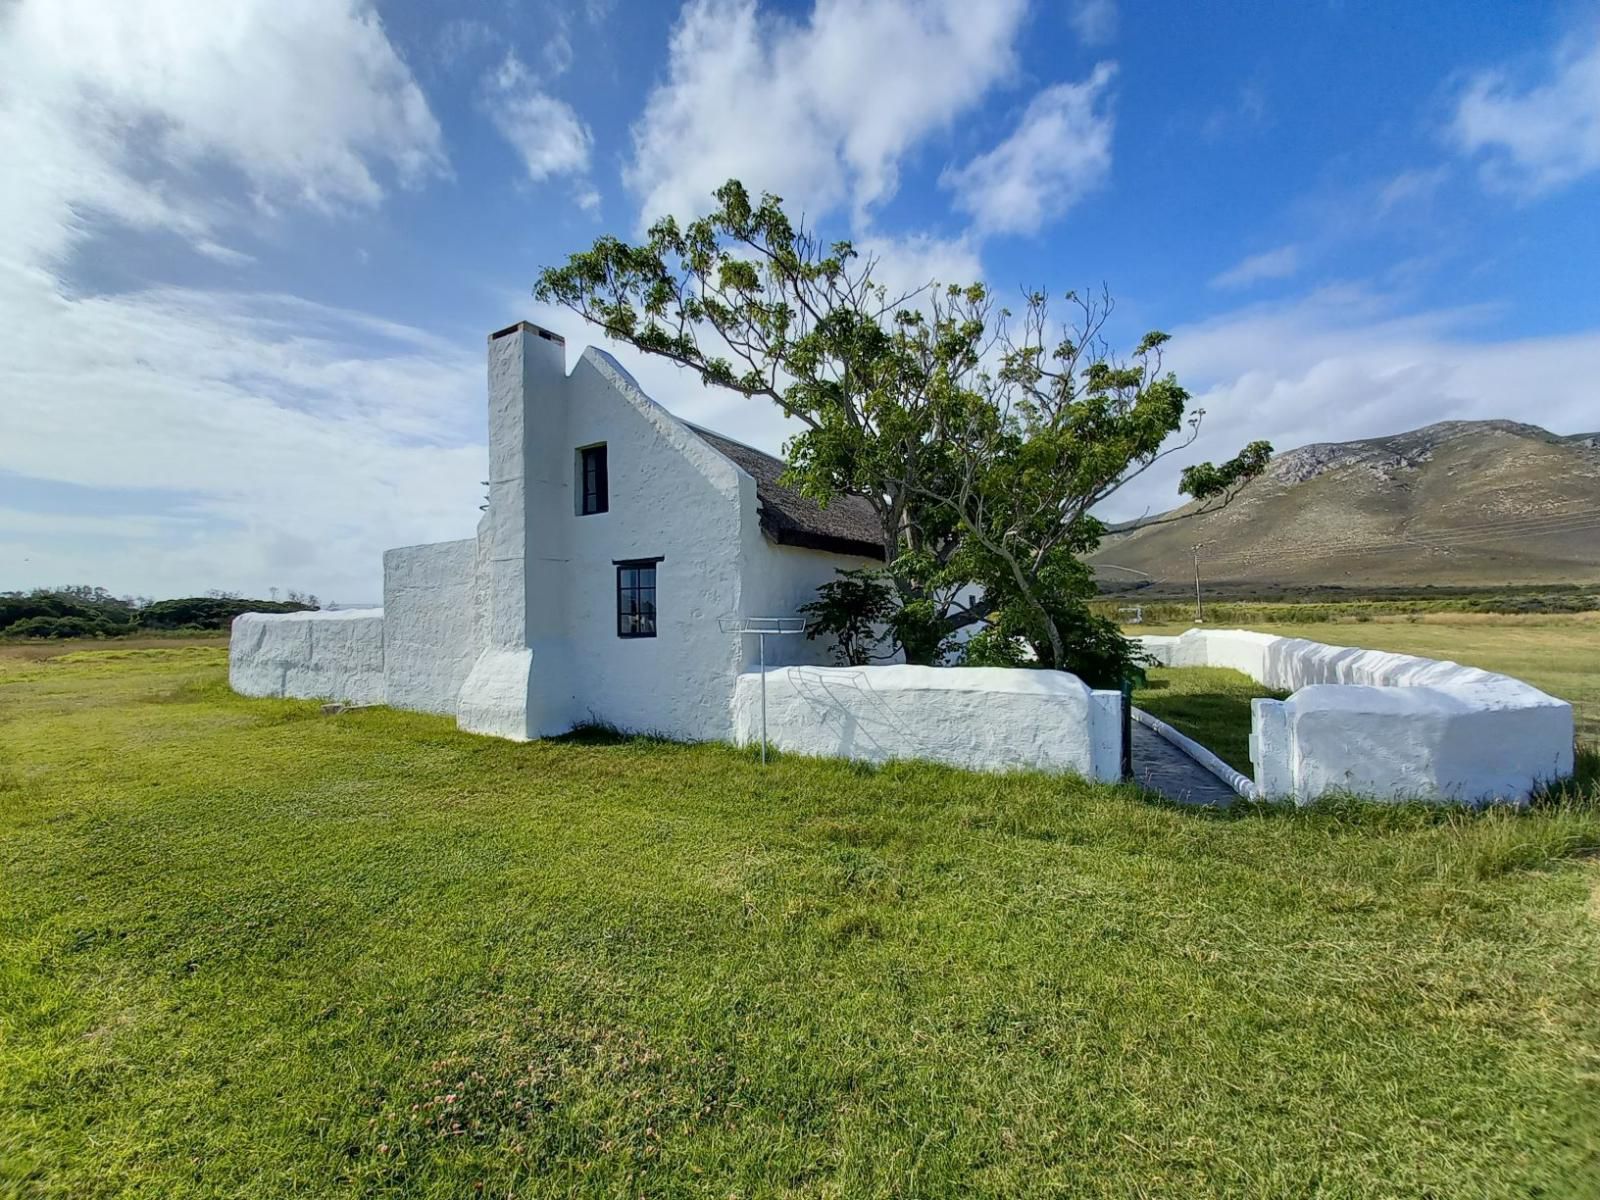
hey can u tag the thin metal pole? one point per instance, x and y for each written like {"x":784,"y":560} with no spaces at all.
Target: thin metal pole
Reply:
{"x":1127,"y":728}
{"x":1199,"y":610}
{"x":762,"y":639}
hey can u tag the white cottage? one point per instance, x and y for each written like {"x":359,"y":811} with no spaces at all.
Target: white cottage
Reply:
{"x":615,"y":539}
{"x":618,"y":539}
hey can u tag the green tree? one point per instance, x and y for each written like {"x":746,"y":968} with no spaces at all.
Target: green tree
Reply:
{"x":852,"y":611}
{"x":1031,"y":447}
{"x":980,"y":449}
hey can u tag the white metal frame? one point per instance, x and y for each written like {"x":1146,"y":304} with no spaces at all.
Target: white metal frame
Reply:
{"x":762,"y":628}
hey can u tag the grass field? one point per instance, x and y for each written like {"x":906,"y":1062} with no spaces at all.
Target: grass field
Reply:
{"x":249,"y":950}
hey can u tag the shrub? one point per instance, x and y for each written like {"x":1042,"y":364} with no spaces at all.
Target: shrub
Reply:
{"x":207,"y":612}
{"x":854,"y":611}
{"x":56,"y":627}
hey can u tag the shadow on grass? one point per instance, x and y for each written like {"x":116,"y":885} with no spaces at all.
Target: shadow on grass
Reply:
{"x":604,"y":733}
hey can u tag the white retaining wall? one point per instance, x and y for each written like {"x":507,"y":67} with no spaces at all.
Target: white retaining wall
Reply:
{"x":1391,"y":726}
{"x":987,"y":719}
{"x":309,"y":656}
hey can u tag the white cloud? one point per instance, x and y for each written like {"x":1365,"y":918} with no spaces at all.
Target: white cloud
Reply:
{"x":1094,"y":21}
{"x":544,"y":130}
{"x":226,"y":255}
{"x":820,"y":111}
{"x":1060,"y":150}
{"x":1246,"y":113}
{"x":129,"y":111}
{"x":1537,"y":138}
{"x":268,"y":441}
{"x":1416,"y":186}
{"x":904,"y":264}
{"x":1336,"y":365}
{"x":1270,"y":264}
{"x":260,"y":417}
{"x":461,"y":38}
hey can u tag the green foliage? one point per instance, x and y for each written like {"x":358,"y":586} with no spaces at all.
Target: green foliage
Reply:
{"x":1095,"y":649}
{"x":94,"y":612}
{"x":102,"y":611}
{"x":981,"y":442}
{"x":1091,"y":646}
{"x":989,"y":647}
{"x":209,"y":612}
{"x":251,"y":951}
{"x":853,"y":610}
{"x":63,"y":627}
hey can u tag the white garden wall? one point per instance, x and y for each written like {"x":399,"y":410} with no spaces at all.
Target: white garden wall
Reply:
{"x":986,"y":719}
{"x":1391,"y":726}
{"x":309,"y":656}
{"x":432,"y":633}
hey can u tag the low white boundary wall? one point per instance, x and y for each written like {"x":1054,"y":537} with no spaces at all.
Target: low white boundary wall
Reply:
{"x":309,"y":655}
{"x":986,"y":719}
{"x":1390,"y":726}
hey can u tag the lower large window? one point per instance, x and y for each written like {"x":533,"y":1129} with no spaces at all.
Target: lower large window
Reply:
{"x":636,"y":597}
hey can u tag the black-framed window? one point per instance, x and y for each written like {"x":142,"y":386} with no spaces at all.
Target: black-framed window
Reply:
{"x":593,"y":486}
{"x":636,"y":597}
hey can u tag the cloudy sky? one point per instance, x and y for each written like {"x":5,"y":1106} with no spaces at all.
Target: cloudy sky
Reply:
{"x":249,"y":252}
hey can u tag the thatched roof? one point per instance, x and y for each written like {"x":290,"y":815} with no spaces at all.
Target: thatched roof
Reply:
{"x":848,"y":525}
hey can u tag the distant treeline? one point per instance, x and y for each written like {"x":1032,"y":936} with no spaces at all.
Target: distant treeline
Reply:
{"x":71,"y":612}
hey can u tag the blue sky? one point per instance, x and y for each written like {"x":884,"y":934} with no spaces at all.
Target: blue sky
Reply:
{"x":249,"y":252}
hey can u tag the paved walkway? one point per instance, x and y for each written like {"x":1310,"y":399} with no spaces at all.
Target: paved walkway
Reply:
{"x":1162,"y":767}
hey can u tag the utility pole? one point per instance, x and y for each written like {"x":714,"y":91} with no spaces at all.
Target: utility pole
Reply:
{"x":1199,"y":608}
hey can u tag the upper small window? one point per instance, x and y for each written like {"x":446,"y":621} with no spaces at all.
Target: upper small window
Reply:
{"x":592,"y":482}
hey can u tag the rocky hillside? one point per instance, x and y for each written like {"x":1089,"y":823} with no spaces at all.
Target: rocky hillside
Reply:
{"x":1461,"y":502}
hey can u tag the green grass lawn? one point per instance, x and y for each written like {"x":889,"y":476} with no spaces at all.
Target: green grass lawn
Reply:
{"x":249,"y":950}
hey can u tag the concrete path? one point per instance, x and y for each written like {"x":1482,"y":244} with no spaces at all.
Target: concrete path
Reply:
{"x":1162,"y":767}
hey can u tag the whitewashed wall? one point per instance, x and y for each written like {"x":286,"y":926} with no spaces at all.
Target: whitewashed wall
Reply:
{"x":431,"y":626}
{"x":985,"y":719}
{"x":671,"y":496}
{"x":309,"y":656}
{"x":1391,"y":726}
{"x":778,"y":581}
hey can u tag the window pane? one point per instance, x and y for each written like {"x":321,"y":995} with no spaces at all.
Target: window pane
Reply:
{"x":636,"y":600}
{"x":592,"y":479}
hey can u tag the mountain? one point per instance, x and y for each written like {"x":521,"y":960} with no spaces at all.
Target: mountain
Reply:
{"x":1458,"y":503}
